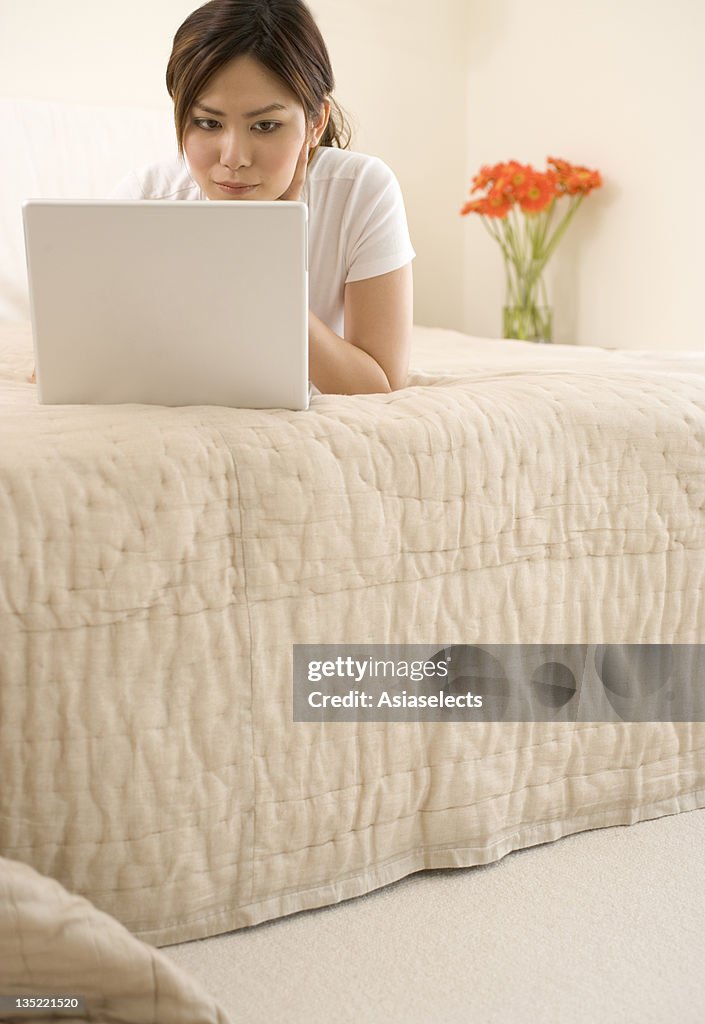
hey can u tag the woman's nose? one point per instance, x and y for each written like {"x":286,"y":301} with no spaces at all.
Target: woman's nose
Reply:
{"x":234,"y":150}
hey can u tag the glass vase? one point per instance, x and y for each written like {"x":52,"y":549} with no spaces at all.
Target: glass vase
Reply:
{"x":528,"y":321}
{"x":526,"y":313}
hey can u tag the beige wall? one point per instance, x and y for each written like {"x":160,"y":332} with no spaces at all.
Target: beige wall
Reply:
{"x":88,"y":51}
{"x":618,"y":85}
{"x":438,"y":89}
{"x":401,"y":73}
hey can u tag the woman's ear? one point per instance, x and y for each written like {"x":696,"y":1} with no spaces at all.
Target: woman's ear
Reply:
{"x":318,"y":127}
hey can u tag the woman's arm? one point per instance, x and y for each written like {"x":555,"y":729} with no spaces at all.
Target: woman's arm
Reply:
{"x":374,"y":355}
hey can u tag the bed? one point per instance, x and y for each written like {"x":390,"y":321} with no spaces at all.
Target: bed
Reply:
{"x":159,"y":565}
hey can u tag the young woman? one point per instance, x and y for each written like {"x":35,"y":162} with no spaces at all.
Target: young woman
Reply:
{"x":251,"y":82}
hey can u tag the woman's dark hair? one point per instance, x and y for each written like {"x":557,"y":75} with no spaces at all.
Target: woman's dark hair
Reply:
{"x":281,"y":34}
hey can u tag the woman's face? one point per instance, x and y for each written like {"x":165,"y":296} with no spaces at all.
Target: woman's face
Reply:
{"x":231,"y":138}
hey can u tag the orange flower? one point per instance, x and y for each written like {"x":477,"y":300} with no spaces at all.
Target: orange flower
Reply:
{"x":529,"y":238}
{"x":472,"y":206}
{"x":498,"y":203}
{"x":562,"y":167}
{"x":487,"y":176}
{"x":537,"y":191}
{"x":583,"y":180}
{"x":511,"y":182}
{"x":573,"y":179}
{"x":518,"y":175}
{"x":493,"y":205}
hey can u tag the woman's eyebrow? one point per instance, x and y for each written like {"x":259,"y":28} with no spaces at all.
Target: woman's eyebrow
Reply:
{"x":251,"y":113}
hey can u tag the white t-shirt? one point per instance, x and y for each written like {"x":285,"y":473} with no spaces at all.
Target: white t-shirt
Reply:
{"x":357,"y":220}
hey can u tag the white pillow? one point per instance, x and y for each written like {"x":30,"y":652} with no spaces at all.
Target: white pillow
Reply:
{"x":66,"y":151}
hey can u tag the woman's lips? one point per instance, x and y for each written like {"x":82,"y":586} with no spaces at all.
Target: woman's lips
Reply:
{"x":237,"y":190}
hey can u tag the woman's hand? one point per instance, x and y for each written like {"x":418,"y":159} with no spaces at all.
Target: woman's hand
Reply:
{"x":293,"y":193}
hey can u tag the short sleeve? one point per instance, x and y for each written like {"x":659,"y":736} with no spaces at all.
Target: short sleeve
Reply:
{"x":378,"y":233}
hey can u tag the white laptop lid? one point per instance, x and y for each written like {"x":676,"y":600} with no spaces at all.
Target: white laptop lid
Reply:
{"x":169,"y":302}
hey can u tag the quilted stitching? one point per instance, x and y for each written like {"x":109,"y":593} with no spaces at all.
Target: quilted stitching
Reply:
{"x":159,"y":564}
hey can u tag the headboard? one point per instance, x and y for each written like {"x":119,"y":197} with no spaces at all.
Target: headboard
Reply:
{"x":65,"y":151}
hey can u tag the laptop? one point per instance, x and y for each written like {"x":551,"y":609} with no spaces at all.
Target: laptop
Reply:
{"x":169,"y":302}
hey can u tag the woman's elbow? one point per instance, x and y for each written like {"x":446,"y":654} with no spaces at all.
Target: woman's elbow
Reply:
{"x":397,"y":376}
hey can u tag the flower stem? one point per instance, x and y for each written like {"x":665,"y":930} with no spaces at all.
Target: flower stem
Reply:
{"x":561,"y":228}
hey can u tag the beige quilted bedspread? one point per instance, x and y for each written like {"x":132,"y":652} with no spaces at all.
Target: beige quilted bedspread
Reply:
{"x":54,"y":943}
{"x":158,"y":565}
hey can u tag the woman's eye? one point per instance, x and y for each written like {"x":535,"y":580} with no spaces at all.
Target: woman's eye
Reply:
{"x":207,"y":123}
{"x":270,"y":126}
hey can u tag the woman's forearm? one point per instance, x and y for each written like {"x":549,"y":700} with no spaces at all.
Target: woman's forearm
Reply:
{"x":337,"y":367}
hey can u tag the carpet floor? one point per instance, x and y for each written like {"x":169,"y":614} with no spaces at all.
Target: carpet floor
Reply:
{"x":603,"y":926}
